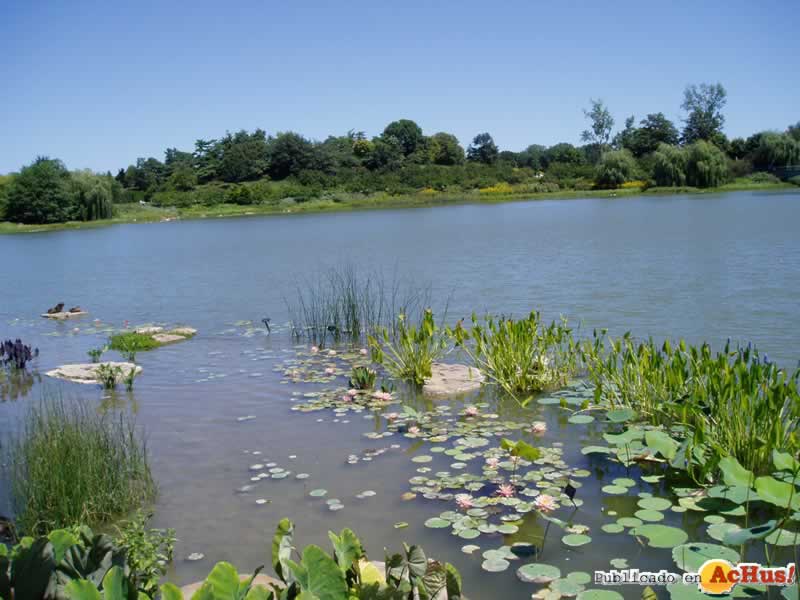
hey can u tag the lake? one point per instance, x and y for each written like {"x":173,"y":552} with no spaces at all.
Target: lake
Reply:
{"x":707,"y":267}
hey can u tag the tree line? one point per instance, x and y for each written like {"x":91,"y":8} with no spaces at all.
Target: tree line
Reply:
{"x":254,"y":167}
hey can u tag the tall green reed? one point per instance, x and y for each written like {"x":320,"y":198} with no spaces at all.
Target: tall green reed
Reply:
{"x":69,"y":464}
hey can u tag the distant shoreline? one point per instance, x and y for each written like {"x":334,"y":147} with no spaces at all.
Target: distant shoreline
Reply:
{"x":135,"y":213}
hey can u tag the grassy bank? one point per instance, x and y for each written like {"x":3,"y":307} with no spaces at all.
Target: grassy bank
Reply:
{"x":341,"y":202}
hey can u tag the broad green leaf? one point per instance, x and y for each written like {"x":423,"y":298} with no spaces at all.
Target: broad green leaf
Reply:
{"x":33,"y":566}
{"x":282,"y":549}
{"x":115,"y":587}
{"x":318,"y":574}
{"x":348,"y":549}
{"x":738,"y":537}
{"x":734,"y":474}
{"x":453,"y":582}
{"x":784,"y":461}
{"x":259,"y":592}
{"x":526,"y":451}
{"x":777,"y":492}
{"x":61,"y":540}
{"x":82,"y":590}
{"x":223,"y":582}
{"x":170,"y":591}
{"x":661,"y":443}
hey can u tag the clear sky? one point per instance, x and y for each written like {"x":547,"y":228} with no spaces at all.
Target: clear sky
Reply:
{"x":99,"y":83}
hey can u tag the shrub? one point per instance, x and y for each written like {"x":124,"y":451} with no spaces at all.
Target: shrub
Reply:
{"x":71,"y":464}
{"x":148,"y":551}
{"x":706,"y":165}
{"x":795,"y":180}
{"x":132,"y":342}
{"x":635,"y":184}
{"x":763,"y":177}
{"x":363,"y":378}
{"x":615,"y":168}
{"x":40,"y":194}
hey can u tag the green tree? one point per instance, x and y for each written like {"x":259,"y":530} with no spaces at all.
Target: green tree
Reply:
{"x":615,"y":168}
{"x":183,"y":178}
{"x":669,"y":166}
{"x":653,"y":130}
{"x":703,"y":105}
{"x":146,"y":175}
{"x":532,"y":157}
{"x":444,"y":149}
{"x":706,"y":165}
{"x":244,"y":156}
{"x":563,"y":153}
{"x":794,"y":131}
{"x":483,"y":149}
{"x":5,"y":185}
{"x":776,"y":150}
{"x":386,"y":154}
{"x":624,"y":138}
{"x":289,"y":153}
{"x":92,"y":196}
{"x":40,"y":193}
{"x":407,"y":133}
{"x":602,"y":123}
{"x":207,"y":156}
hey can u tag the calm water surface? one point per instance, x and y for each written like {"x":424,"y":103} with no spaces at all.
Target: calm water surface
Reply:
{"x":703,"y":268}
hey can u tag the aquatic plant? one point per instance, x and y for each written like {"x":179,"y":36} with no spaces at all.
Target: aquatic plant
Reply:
{"x":363,"y":378}
{"x":346,"y":574}
{"x":148,"y":551}
{"x":409,"y":353}
{"x":16,"y":354}
{"x":108,"y":375}
{"x":345,"y":304}
{"x":523,"y":356}
{"x":70,"y":464}
{"x":128,"y":379}
{"x":96,"y":353}
{"x":734,"y":402}
{"x":131,"y":342}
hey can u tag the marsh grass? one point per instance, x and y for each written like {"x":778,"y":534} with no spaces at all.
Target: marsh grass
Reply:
{"x":733,"y":402}
{"x":129,"y":343}
{"x":70,"y":464}
{"x":346,"y":304}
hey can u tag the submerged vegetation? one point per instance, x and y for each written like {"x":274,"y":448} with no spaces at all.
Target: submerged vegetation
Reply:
{"x":71,"y":464}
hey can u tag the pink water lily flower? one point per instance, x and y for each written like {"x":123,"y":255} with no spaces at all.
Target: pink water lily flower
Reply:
{"x":363,"y":352}
{"x":352,"y":392}
{"x":347,"y":398}
{"x":506,"y":490}
{"x":391,"y":416}
{"x":314,"y":349}
{"x":413,"y":429}
{"x":545,"y":503}
{"x":538,"y":427}
{"x":331,"y":352}
{"x":464,"y":501}
{"x":492,"y":462}
{"x":471,"y":411}
{"x":330,"y":371}
{"x":382,"y":396}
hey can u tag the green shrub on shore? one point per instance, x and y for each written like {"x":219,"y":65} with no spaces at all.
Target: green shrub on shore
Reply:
{"x":132,"y":342}
{"x":71,"y":465}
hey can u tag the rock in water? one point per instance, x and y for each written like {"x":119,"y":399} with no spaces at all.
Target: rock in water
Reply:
{"x":447,"y":380}
{"x":87,"y":372}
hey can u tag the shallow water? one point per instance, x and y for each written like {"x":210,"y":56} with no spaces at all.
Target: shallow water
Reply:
{"x":704,"y":268}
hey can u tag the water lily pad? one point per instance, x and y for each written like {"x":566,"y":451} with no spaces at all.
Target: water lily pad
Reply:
{"x":714,"y":519}
{"x":317,"y":493}
{"x":422,"y":458}
{"x":566,"y":587}
{"x":615,"y":489}
{"x":782,"y":537}
{"x":661,"y":536}
{"x":437,"y":523}
{"x":302,"y":476}
{"x":654,"y":503}
{"x":718,"y":531}
{"x":690,"y":557}
{"x":580,"y":419}
{"x":597,"y":594}
{"x":613,"y":528}
{"x":469,"y":534}
{"x":624,"y":482}
{"x":649,"y":515}
{"x":620,"y":415}
{"x":400,"y":525}
{"x":596,"y":450}
{"x":507,"y":529}
{"x":538,"y":573}
{"x":495,"y":565}
{"x":576,"y":539}
{"x":619,"y":563}
{"x":470,"y":549}
{"x":580,"y":577}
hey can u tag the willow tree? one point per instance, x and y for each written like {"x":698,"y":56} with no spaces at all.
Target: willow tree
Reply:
{"x":706,"y":165}
{"x":669,"y":166}
{"x":615,"y":168}
{"x":92,"y":196}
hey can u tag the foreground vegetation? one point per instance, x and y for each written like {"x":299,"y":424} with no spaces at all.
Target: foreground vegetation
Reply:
{"x":70,"y":464}
{"x":75,"y":564}
{"x":246,"y":172}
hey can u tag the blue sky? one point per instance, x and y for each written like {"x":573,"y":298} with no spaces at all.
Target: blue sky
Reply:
{"x":99,"y":83}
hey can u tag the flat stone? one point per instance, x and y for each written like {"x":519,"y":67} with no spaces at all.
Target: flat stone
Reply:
{"x":64,"y":315}
{"x":168,"y":338}
{"x":87,"y":372}
{"x":148,"y":330}
{"x":447,"y":379}
{"x":184,"y":331}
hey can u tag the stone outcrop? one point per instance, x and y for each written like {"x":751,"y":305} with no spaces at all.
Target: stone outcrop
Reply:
{"x":448,"y":380}
{"x":87,"y":372}
{"x":65,"y":314}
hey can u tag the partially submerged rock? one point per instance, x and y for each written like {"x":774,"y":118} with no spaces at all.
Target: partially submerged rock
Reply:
{"x":87,"y":372}
{"x":65,"y":314}
{"x":148,"y":330}
{"x":450,"y":379}
{"x":168,"y":338}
